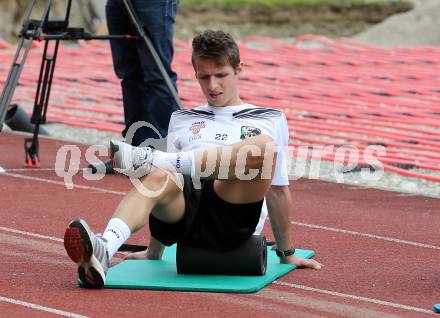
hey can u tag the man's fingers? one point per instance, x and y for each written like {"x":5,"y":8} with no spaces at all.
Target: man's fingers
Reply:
{"x":311,"y":263}
{"x":137,"y":255}
{"x":303,"y":262}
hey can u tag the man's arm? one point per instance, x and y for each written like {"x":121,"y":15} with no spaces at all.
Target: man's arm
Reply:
{"x":279,"y":203}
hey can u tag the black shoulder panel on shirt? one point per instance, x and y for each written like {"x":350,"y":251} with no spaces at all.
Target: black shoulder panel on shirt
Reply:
{"x":194,"y":113}
{"x":257,"y":113}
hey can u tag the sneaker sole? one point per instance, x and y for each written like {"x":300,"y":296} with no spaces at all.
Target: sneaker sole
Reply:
{"x":90,"y":277}
{"x":80,"y":250}
{"x":77,"y":242}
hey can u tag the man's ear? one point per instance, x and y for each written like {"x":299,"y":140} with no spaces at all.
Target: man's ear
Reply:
{"x":239,"y":68}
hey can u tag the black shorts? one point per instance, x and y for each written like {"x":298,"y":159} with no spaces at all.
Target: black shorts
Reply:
{"x":208,"y":221}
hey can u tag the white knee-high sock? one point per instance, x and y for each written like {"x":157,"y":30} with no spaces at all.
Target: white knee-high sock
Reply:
{"x":116,"y":233}
{"x":181,"y":162}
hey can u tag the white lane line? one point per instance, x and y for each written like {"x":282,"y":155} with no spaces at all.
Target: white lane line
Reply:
{"x":1,"y":169}
{"x":40,"y":169}
{"x":373,"y":236}
{"x":15,"y":175}
{"x":51,"y":238}
{"x":354,"y":297}
{"x":42,"y":308}
{"x":31,"y":169}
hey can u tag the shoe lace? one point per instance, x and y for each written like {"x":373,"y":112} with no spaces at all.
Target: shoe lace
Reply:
{"x":143,"y":158}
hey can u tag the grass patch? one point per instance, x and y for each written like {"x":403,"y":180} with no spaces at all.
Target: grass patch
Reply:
{"x":271,"y":3}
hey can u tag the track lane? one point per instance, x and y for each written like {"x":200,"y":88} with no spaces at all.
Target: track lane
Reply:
{"x":355,"y":265}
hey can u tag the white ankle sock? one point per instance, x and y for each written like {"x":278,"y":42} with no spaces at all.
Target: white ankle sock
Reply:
{"x":181,"y":162}
{"x":116,"y":233}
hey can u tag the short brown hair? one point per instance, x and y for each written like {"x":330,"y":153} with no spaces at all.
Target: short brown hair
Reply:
{"x":218,"y":46}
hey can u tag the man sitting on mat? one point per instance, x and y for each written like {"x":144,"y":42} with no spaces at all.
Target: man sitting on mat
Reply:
{"x":223,"y":159}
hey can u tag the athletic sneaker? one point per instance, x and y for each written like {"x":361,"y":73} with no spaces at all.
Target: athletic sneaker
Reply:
{"x":89,"y":251}
{"x":132,"y":161}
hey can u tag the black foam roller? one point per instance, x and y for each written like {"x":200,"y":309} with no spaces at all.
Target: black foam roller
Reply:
{"x":249,"y":259}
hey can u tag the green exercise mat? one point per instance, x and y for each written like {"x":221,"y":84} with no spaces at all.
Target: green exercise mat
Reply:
{"x":162,"y":275}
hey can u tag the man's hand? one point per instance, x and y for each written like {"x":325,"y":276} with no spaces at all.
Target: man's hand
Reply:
{"x":142,"y":255}
{"x":301,"y":262}
{"x":153,"y":252}
{"x":137,"y":255}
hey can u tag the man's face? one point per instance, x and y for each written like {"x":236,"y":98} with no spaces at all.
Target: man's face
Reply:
{"x":218,"y":82}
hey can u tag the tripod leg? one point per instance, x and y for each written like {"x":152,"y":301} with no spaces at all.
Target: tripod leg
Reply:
{"x":21,"y":54}
{"x":32,"y":160}
{"x":31,"y":145}
{"x":44,"y":83}
{"x":40,"y":104}
{"x":140,"y":29}
{"x":13,"y":76}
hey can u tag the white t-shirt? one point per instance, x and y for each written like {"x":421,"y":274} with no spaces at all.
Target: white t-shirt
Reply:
{"x":207,"y":126}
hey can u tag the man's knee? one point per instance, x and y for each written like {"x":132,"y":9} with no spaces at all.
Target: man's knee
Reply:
{"x":159,"y":181}
{"x":266,"y":144}
{"x":259,"y":155}
{"x":262,"y":145}
{"x":169,"y":205}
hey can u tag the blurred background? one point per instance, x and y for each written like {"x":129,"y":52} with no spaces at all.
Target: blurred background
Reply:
{"x":334,"y":90}
{"x":380,"y":22}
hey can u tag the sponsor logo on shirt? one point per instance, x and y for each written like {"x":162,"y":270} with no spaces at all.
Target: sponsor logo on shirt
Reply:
{"x":195,"y":129}
{"x":249,"y":131}
{"x":197,"y":126}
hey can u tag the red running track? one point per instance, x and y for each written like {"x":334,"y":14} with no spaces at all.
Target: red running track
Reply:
{"x":340,"y":92}
{"x":380,"y":251}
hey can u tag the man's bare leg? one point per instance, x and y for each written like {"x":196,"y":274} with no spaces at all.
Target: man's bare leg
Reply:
{"x":135,"y":208}
{"x":168,"y":206}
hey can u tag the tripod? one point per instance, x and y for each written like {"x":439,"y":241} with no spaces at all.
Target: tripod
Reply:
{"x":56,"y":30}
